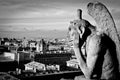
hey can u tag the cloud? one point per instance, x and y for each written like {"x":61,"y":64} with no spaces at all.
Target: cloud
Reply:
{"x":23,"y":8}
{"x":43,"y":13}
{"x":32,"y":15}
{"x":11,"y":2}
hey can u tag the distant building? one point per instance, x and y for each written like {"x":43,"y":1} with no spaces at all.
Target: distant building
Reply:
{"x":32,"y":44}
{"x":53,"y":58}
{"x":54,"y":67}
{"x":7,"y":43}
{"x":2,"y":41}
{"x":24,"y":42}
{"x":41,"y":46}
{"x":73,"y":63}
{"x":7,"y":56}
{"x":38,"y":46}
{"x":54,"y":47}
{"x":23,"y":56}
{"x":34,"y":66}
{"x":10,"y":55}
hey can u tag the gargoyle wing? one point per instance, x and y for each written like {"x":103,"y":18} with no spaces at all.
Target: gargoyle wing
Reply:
{"x":105,"y":23}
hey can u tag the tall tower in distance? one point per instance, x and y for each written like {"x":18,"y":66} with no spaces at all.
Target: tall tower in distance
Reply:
{"x":42,"y":46}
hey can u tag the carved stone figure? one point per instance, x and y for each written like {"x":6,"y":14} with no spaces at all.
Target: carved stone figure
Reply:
{"x":105,"y":23}
{"x":96,"y":48}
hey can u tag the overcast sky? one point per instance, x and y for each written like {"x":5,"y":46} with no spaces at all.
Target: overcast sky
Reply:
{"x":21,"y":15}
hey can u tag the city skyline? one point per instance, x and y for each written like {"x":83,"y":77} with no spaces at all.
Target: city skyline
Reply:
{"x":32,"y":15}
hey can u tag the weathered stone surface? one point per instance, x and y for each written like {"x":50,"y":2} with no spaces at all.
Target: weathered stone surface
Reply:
{"x":105,"y":23}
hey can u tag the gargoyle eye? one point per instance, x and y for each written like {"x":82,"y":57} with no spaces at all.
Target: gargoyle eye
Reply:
{"x":69,"y":29}
{"x":75,"y":23}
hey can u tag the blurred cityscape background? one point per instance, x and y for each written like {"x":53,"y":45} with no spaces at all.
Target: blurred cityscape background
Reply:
{"x":35,"y":58}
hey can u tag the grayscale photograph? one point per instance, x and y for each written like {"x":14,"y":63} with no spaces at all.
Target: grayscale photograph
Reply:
{"x":59,"y":39}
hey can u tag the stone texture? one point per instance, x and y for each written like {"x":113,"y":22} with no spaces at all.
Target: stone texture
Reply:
{"x":105,"y":23}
